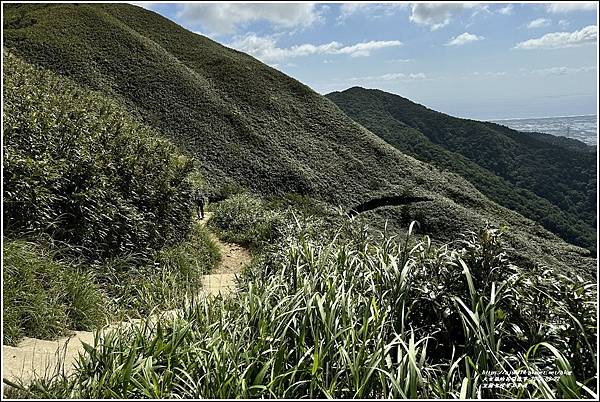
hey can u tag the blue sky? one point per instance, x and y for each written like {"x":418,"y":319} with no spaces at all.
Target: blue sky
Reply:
{"x":475,"y":60}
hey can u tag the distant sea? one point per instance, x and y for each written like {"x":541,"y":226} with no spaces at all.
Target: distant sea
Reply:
{"x":582,"y":128}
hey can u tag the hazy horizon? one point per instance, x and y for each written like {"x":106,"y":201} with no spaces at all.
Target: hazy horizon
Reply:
{"x":583,"y":128}
{"x":547,"y":117}
{"x":477,"y":118}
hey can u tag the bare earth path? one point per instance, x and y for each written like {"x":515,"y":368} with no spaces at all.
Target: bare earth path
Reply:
{"x":37,"y":357}
{"x":233,"y":259}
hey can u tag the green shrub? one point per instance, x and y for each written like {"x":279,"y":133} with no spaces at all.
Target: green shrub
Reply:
{"x":247,"y":220}
{"x":77,"y":167}
{"x":44,"y":298}
{"x":304,"y":205}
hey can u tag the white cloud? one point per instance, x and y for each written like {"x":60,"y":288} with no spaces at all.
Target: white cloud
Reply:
{"x":436,"y":15}
{"x":557,"y":40}
{"x":538,"y":23}
{"x":488,"y":74}
{"x":420,"y":76}
{"x":224,"y":18}
{"x":364,"y":48}
{"x":392,"y":77}
{"x":480,"y":9}
{"x":563,"y":23}
{"x":463,"y":39}
{"x":265,"y":48}
{"x":558,"y":8}
{"x":506,"y":10}
{"x":563,"y":70}
{"x":400,"y":60}
{"x":348,"y":9}
{"x":373,"y":9}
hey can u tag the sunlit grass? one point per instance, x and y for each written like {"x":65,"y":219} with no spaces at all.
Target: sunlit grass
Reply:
{"x":352,"y":315}
{"x":46,"y":297}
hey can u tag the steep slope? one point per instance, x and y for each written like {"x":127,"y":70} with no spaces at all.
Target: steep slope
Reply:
{"x":252,"y":126}
{"x":549,"y":180}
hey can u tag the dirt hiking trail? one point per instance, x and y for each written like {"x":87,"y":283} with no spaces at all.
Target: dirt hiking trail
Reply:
{"x":233,"y":259}
{"x":36,"y":357}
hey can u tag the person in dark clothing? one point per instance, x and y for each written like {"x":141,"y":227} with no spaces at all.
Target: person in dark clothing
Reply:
{"x":199,"y":200}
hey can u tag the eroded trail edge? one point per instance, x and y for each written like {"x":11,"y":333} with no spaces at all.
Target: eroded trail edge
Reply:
{"x":36,"y":357}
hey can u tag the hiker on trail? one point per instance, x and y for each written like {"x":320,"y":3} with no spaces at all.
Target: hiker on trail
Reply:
{"x":199,"y":200}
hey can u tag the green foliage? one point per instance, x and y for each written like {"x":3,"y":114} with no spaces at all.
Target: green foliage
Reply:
{"x":246,"y":220}
{"x":252,"y":128}
{"x":258,"y":223}
{"x":43,"y":298}
{"x":305,"y":206}
{"x":563,"y":309}
{"x":344,"y":316}
{"x":107,"y":202}
{"x":79,"y":168}
{"x":163,"y":283}
{"x":549,"y":181}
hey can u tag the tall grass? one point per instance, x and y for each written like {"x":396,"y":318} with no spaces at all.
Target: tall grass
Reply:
{"x":351,"y":315}
{"x":163,"y":282}
{"x":46,"y":297}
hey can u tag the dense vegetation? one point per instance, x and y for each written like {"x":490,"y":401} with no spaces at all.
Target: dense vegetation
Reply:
{"x":342,"y":313}
{"x":46,"y":295}
{"x":45,"y":298}
{"x":258,"y":223}
{"x":106,"y":105}
{"x":97,"y":212}
{"x":550,"y":181}
{"x":79,"y":169}
{"x":251,"y":127}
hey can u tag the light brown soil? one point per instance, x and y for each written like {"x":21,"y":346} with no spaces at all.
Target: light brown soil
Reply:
{"x":36,"y":357}
{"x":233,"y":259}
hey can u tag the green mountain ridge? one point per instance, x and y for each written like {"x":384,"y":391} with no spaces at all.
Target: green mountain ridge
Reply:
{"x":251,"y":126}
{"x":565,"y":142}
{"x":545,"y":178}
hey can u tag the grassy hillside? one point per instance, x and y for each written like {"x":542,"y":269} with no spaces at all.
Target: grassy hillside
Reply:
{"x":253,"y":127}
{"x":549,"y":180}
{"x":106,"y":106}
